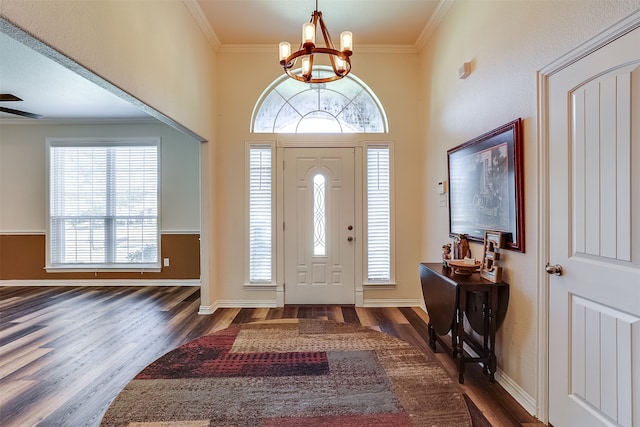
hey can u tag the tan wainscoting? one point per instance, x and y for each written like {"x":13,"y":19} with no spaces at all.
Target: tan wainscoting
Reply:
{"x":22,"y":257}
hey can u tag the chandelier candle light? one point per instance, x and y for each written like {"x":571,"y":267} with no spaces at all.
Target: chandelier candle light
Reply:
{"x":339,"y":59}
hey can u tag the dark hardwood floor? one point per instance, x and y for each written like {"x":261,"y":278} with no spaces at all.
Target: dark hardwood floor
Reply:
{"x":66,"y":352}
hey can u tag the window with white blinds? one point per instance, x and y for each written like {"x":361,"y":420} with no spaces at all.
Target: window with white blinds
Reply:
{"x":260,"y":213}
{"x":103,"y":204}
{"x":379,"y":259}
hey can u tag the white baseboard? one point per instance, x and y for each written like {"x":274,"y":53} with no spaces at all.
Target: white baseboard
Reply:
{"x":381,"y":302}
{"x":269,"y":303}
{"x":522,"y":397}
{"x":206,"y":309}
{"x":209,"y":309}
{"x":513,"y":388}
{"x":102,"y":282}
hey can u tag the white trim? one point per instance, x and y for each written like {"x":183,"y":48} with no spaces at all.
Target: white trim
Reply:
{"x":203,"y":23}
{"x":209,"y":309}
{"x":542,"y":357}
{"x":206,"y":309}
{"x":23,"y":233}
{"x":605,"y":37}
{"x":601,"y":39}
{"x":162,"y":232}
{"x":98,"y":268}
{"x":102,"y":282}
{"x":434,"y":21}
{"x":260,"y":286}
{"x":270,"y":303}
{"x":381,"y":285}
{"x":397,"y":302}
{"x":518,"y":393}
{"x":372,"y":48}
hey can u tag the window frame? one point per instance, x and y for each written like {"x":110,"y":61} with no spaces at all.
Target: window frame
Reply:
{"x":249,"y":145}
{"x":391,"y":281}
{"x":101,"y":267}
{"x":287,"y":95}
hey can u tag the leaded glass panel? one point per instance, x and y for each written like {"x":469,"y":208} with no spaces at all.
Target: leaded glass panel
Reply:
{"x":294,"y":107}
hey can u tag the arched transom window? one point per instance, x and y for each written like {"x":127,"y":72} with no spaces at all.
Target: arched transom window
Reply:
{"x":342,"y":106}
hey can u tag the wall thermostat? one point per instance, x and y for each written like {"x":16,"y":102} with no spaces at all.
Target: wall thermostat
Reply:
{"x":442,"y":187}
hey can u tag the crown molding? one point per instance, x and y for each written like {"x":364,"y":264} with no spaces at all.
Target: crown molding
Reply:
{"x":434,"y":21}
{"x":273,"y":49}
{"x":203,"y":23}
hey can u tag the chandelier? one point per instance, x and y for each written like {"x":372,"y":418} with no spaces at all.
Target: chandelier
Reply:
{"x":339,"y":59}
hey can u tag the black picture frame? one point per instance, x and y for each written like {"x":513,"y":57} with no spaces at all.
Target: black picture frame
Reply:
{"x":486,"y":188}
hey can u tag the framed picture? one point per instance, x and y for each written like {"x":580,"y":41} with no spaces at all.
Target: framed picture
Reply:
{"x":486,"y":186}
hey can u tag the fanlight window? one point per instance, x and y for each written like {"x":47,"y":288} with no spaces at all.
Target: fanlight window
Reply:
{"x":342,"y":106}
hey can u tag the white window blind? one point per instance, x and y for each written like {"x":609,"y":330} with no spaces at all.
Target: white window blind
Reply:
{"x":378,"y":214}
{"x":103,"y":204}
{"x":260,"y":220}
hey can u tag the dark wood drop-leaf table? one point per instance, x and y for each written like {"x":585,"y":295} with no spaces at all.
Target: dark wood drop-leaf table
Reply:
{"x":471,"y":308}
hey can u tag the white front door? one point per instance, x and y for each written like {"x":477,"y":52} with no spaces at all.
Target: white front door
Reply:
{"x":319,"y":211}
{"x":594,"y":235}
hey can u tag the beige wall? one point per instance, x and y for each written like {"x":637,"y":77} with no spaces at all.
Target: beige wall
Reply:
{"x":152,"y":50}
{"x":240,"y":87}
{"x":23,"y":184}
{"x":23,"y":180}
{"x":507,"y":42}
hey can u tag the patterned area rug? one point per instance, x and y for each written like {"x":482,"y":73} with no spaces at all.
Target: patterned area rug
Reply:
{"x":297,"y":372}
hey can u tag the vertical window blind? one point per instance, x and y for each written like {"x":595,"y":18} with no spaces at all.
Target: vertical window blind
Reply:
{"x":378,"y":214}
{"x":104,"y":202}
{"x":260,"y":219}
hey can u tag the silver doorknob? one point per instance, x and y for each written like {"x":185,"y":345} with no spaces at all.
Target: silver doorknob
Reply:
{"x":349,"y":239}
{"x":555,"y":269}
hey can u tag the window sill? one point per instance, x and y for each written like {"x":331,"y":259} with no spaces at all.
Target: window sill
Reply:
{"x":98,"y":268}
{"x":379,"y":285}
{"x":260,"y":286}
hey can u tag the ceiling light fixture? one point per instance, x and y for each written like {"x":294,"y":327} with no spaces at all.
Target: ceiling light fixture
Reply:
{"x":339,"y":59}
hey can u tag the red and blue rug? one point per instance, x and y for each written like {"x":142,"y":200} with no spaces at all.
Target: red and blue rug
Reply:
{"x":291,"y":373}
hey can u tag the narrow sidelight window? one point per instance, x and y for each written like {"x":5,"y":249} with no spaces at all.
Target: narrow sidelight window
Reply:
{"x":378,"y":214}
{"x":260,"y":217}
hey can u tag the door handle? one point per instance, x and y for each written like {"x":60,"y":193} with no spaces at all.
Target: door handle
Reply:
{"x":555,"y":269}
{"x":349,"y":239}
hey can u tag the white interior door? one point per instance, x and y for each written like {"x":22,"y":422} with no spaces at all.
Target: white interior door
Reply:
{"x":319,"y":211}
{"x":594,"y":226}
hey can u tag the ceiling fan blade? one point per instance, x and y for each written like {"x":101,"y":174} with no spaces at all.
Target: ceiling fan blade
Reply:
{"x":20,"y":113}
{"x":8,"y":97}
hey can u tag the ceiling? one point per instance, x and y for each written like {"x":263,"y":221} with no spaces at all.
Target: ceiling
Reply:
{"x":49,"y":88}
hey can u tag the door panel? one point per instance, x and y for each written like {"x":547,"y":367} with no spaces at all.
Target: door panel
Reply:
{"x":594,"y":197}
{"x":318,"y":211}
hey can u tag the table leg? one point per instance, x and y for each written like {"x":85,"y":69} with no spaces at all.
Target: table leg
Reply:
{"x":432,"y":337}
{"x":493,"y":302}
{"x":460,"y":336}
